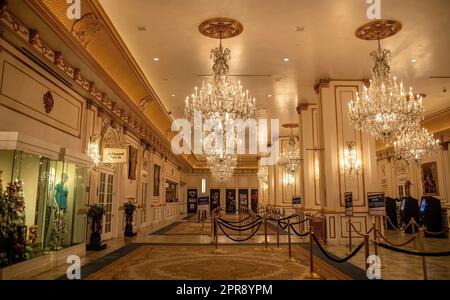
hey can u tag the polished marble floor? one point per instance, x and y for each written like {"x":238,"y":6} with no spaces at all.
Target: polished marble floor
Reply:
{"x":393,"y":265}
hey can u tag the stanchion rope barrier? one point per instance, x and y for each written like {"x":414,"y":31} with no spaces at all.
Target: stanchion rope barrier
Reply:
{"x":239,"y":240}
{"x":340,"y":260}
{"x":235,"y":222}
{"x":436,"y":233}
{"x":361,"y":234}
{"x":411,"y":252}
{"x":236,"y":227}
{"x":240,"y":228}
{"x":296,"y":223}
{"x":392,"y":224}
{"x":397,"y":245}
{"x":296,"y":232}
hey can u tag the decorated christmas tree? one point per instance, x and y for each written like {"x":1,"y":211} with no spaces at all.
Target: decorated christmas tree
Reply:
{"x":12,"y":223}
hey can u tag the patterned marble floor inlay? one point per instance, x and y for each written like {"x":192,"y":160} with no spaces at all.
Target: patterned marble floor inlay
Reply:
{"x":192,"y":262}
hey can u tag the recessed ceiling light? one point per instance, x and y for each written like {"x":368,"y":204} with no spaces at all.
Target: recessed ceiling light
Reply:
{"x":156,"y":58}
{"x":173,"y":95}
{"x":270,"y":96}
{"x":286,"y":59}
{"x":413,"y":60}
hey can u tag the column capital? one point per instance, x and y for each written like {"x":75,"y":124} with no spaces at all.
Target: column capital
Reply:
{"x":303,"y":107}
{"x":323,"y":83}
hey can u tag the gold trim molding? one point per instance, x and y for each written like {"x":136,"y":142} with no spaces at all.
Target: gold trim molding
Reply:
{"x":99,"y":98}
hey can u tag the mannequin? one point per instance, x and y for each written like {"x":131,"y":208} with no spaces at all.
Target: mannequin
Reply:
{"x":59,"y":210}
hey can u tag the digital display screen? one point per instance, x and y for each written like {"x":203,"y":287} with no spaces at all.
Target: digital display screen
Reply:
{"x":423,"y":205}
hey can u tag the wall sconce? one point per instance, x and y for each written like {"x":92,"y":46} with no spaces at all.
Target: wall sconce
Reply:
{"x":352,"y":165}
{"x":289,"y":179}
{"x":94,"y":151}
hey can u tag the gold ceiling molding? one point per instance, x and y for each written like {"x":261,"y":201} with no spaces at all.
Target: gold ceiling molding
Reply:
{"x":221,"y":28}
{"x":106,"y":54}
{"x":378,"y":30}
{"x":100,"y":99}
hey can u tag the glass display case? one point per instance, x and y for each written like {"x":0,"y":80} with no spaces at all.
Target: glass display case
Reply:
{"x":54,"y":196}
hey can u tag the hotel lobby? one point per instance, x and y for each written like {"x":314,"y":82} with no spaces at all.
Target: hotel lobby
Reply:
{"x":224,"y":140}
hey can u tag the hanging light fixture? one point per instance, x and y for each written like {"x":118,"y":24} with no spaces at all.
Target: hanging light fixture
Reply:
{"x":415,"y":144}
{"x":220,"y":100}
{"x":385,"y":109}
{"x":352,"y":165}
{"x":290,"y":157}
{"x":263,"y":172}
{"x":94,"y":151}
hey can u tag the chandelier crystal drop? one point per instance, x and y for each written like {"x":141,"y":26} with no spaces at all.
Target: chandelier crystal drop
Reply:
{"x":222,"y":166}
{"x":415,"y":144}
{"x":385,"y":109}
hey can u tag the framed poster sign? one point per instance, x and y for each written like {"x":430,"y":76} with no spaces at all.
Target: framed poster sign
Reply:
{"x":254,"y":199}
{"x":296,"y":201}
{"x":203,"y":202}
{"x":156,"y":180}
{"x":215,"y":198}
{"x":348,"y":198}
{"x":430,"y":179}
{"x":192,"y":200}
{"x":243,"y":198}
{"x":230,"y":201}
{"x":376,"y":204}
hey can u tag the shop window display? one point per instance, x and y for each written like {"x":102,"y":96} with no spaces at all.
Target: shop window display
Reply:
{"x":49,"y":195}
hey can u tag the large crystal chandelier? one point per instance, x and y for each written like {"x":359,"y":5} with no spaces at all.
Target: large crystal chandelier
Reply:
{"x":415,"y":144}
{"x":385,"y":109}
{"x":220,"y":102}
{"x":290,"y":157}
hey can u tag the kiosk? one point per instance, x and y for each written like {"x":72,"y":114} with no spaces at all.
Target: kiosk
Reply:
{"x":430,"y":215}
{"x":409,"y":208}
{"x":391,"y":213}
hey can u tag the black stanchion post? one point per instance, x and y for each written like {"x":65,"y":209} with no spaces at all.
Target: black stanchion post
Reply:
{"x":414,"y":232}
{"x":278,"y":233}
{"x":375,"y":237}
{"x":265,"y":234}
{"x":311,"y":274}
{"x":289,"y":240}
{"x":204,"y":217}
{"x":366,"y":250}
{"x":349,"y":235}
{"x":424,"y":262}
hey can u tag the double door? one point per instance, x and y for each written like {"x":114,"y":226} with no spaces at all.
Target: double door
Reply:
{"x":106,"y":199}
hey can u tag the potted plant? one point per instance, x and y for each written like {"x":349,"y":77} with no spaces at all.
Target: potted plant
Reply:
{"x":129,"y":209}
{"x":95,"y":214}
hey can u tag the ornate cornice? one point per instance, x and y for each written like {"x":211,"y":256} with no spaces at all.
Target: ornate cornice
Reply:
{"x":98,"y":98}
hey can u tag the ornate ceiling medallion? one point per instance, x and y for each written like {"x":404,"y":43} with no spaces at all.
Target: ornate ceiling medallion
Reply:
{"x":220,"y":28}
{"x":378,"y":30}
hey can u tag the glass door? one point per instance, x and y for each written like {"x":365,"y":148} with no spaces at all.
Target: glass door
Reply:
{"x":105,"y":196}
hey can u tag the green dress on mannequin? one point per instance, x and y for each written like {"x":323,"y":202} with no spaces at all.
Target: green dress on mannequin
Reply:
{"x":60,"y":206}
